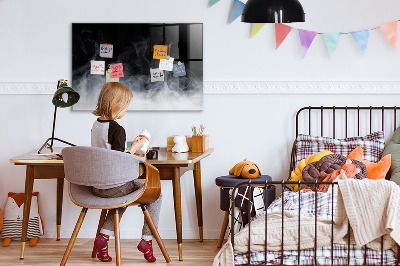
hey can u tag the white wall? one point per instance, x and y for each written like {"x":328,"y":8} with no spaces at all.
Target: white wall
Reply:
{"x":35,"y":46}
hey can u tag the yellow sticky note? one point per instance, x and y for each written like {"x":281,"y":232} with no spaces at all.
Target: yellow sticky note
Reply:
{"x":160,"y":51}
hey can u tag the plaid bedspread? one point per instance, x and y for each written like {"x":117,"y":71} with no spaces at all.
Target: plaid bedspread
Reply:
{"x":321,"y":205}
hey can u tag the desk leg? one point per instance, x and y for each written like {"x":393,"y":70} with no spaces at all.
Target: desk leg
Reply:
{"x":60,"y":190}
{"x":27,"y":206}
{"x":176,"y":182}
{"x":199,"y":204}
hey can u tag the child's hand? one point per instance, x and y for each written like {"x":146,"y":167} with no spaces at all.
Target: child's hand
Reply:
{"x":137,"y":144}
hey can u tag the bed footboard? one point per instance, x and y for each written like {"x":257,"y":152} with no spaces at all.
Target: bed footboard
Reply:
{"x":384,"y":257}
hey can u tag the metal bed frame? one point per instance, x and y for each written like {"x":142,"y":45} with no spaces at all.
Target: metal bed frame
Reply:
{"x":283,"y":184}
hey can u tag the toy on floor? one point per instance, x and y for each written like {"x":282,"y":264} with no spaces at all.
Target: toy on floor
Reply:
{"x":245,"y":169}
{"x":13,"y":215}
{"x":1,"y":219}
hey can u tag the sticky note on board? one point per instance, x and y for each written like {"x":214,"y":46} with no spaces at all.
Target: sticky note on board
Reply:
{"x":110,"y":79}
{"x":106,"y":50}
{"x":97,"y":67}
{"x":116,"y":70}
{"x":179,"y":70}
{"x":156,"y":75}
{"x":160,"y":51}
{"x":166,"y":64}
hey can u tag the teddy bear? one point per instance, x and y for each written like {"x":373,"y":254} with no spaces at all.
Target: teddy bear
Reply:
{"x":245,"y":169}
{"x":180,"y":144}
{"x":13,"y":215}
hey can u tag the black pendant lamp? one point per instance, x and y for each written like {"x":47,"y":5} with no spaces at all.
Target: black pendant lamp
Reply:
{"x":273,"y":11}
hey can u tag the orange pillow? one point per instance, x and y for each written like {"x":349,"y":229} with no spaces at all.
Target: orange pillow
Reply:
{"x":375,"y":170}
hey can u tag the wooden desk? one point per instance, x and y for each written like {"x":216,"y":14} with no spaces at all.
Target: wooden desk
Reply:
{"x":171,"y":167}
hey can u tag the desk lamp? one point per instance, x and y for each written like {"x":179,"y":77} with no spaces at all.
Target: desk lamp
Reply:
{"x":64,"y":97}
{"x":273,"y":11}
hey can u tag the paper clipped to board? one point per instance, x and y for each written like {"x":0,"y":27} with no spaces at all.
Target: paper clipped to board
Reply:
{"x":97,"y":67}
{"x":160,"y":51}
{"x":106,"y":50}
{"x":110,"y":79}
{"x":117,"y":70}
{"x":179,"y":70}
{"x":167,"y":64}
{"x":157,"y":75}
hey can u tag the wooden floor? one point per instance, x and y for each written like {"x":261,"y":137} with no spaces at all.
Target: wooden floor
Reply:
{"x":50,"y":252}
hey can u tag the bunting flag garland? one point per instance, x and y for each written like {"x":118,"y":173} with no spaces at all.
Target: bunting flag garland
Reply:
{"x":237,"y":9}
{"x":213,"y":2}
{"x":332,"y":41}
{"x":306,"y":39}
{"x":361,"y":37}
{"x":389,"y":30}
{"x":281,"y":31}
{"x":256,"y":28}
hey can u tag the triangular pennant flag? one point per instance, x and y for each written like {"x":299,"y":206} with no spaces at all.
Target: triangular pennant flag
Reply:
{"x":256,"y":28}
{"x":281,"y":31}
{"x":213,"y":2}
{"x":306,"y":39}
{"x":361,"y":37}
{"x":390,"y":32}
{"x":237,"y":9}
{"x":332,"y":41}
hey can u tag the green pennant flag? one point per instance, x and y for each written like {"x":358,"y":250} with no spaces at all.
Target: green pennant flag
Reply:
{"x":213,"y":2}
{"x":332,"y":41}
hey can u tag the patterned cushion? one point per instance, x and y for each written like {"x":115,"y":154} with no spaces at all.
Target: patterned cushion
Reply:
{"x":372,"y":144}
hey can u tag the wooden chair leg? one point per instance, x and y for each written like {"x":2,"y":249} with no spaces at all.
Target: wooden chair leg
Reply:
{"x":154,"y":230}
{"x":73,"y":237}
{"x":101,"y":222}
{"x":117,"y":238}
{"x":223,"y":229}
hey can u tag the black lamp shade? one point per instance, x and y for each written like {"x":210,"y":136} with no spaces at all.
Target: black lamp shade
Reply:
{"x":273,"y":11}
{"x":60,"y":101}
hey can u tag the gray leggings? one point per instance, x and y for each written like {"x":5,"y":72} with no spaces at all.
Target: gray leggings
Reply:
{"x":154,"y":208}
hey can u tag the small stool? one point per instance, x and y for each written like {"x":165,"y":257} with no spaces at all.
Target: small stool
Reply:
{"x":226,"y":183}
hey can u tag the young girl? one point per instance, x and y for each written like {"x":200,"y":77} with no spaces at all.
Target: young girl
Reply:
{"x":112,"y":104}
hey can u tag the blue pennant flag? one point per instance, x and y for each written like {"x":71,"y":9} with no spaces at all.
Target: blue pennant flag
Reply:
{"x":361,"y":38}
{"x":237,"y":9}
{"x":213,"y":2}
{"x":332,"y":41}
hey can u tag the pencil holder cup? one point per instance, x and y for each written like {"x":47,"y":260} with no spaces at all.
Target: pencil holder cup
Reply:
{"x":200,"y":143}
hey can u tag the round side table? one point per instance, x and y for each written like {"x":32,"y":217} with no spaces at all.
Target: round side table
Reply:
{"x":226,"y":183}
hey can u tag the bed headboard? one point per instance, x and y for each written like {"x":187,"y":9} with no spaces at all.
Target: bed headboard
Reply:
{"x":344,"y":121}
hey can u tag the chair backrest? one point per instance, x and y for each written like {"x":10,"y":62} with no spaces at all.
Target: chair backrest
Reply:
{"x":91,"y":166}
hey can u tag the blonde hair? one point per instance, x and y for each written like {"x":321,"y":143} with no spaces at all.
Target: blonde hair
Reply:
{"x":113,"y":98}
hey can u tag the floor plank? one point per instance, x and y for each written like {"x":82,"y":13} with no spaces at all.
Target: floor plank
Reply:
{"x":50,"y":252}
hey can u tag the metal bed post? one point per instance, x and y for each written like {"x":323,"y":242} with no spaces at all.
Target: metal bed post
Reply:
{"x":283,"y":210}
{"x":266,"y":221}
{"x":298,"y":240}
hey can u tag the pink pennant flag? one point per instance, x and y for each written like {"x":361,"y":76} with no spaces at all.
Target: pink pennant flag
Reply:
{"x":389,"y":30}
{"x":306,"y":39}
{"x":281,"y":31}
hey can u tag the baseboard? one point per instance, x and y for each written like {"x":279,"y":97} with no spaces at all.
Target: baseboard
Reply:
{"x":246,"y":87}
{"x":136,"y":233}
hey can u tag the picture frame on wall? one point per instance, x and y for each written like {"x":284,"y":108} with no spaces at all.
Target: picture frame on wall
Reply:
{"x":162,"y":64}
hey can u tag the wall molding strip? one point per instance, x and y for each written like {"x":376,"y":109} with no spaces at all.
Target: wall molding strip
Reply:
{"x":247,"y":87}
